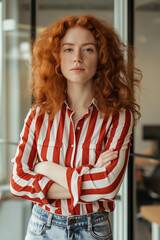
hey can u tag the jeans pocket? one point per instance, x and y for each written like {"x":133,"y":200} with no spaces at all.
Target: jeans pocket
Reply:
{"x":36,"y":226}
{"x":102,"y":230}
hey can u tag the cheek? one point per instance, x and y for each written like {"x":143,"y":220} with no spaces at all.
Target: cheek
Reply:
{"x":93,"y":60}
{"x":63,"y":64}
{"x":65,"y":61}
{"x":93,"y":65}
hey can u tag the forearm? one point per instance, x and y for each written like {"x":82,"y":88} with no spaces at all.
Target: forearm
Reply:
{"x":56,"y":191}
{"x":53,"y":171}
{"x":57,"y":173}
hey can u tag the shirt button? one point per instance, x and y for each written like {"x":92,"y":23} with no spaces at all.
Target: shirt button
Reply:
{"x":72,"y":145}
{"x":78,"y":128}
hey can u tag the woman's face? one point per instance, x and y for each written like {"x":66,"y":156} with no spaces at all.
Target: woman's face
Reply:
{"x":78,"y":55}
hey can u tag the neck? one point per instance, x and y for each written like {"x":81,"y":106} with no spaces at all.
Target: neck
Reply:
{"x":79,"y":95}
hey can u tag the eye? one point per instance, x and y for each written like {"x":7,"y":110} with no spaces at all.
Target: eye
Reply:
{"x":88,"y":50}
{"x":68,"y":50}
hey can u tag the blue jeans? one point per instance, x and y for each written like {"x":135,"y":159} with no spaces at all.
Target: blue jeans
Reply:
{"x":44,"y":225}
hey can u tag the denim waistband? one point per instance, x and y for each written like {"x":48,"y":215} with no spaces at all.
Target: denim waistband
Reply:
{"x":76,"y":220}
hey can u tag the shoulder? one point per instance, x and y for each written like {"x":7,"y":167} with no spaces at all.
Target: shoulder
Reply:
{"x":125,"y":116}
{"x":34,"y":114}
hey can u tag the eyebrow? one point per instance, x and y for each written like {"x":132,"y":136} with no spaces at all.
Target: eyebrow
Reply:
{"x":84,"y":44}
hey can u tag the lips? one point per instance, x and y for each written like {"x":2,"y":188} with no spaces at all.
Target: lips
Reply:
{"x":77,"y":69}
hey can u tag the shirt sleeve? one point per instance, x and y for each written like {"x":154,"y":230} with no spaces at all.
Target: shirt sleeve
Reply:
{"x":88,"y":184}
{"x":25,"y":183}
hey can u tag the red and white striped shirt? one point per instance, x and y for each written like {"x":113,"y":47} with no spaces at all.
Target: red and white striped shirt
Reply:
{"x":78,"y":148}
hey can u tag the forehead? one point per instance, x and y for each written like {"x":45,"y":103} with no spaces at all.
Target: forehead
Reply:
{"x":78,"y":34}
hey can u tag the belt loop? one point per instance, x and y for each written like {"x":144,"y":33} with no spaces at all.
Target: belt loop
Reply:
{"x":68,"y":227}
{"x":49,"y":220}
{"x":89,"y":223}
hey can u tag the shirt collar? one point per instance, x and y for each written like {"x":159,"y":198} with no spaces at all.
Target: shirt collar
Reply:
{"x":93,"y":103}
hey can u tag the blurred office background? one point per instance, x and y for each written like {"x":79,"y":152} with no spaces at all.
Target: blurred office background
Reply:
{"x":16,"y":23}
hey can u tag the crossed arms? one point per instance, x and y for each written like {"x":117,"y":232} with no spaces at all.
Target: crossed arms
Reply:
{"x":57,"y":173}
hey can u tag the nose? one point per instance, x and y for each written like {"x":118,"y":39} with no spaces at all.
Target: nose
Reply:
{"x":78,"y":56}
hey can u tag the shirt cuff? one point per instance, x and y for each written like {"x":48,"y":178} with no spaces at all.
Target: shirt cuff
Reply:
{"x":42,"y":185}
{"x":74,"y":181}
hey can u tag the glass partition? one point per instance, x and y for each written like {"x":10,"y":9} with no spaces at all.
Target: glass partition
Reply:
{"x":15,"y":101}
{"x":15,"y":73}
{"x":147,"y":132}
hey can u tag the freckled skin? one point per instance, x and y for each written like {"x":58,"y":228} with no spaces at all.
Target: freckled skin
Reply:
{"x":78,"y":49}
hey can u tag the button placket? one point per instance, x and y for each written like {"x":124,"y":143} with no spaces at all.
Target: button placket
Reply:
{"x":73,"y":144}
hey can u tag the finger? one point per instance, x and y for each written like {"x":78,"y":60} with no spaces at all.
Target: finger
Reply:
{"x":108,"y":160}
{"x":104,"y":159}
{"x":109,"y":157}
{"x":108,"y":154}
{"x":107,"y":151}
{"x":107,"y":164}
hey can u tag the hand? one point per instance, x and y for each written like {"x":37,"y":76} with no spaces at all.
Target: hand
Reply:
{"x":106,"y":158}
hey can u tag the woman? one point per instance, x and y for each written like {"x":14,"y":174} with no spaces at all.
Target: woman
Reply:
{"x":75,"y":143}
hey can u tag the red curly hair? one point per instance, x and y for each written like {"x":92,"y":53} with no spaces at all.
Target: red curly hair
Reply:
{"x":113,"y":83}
